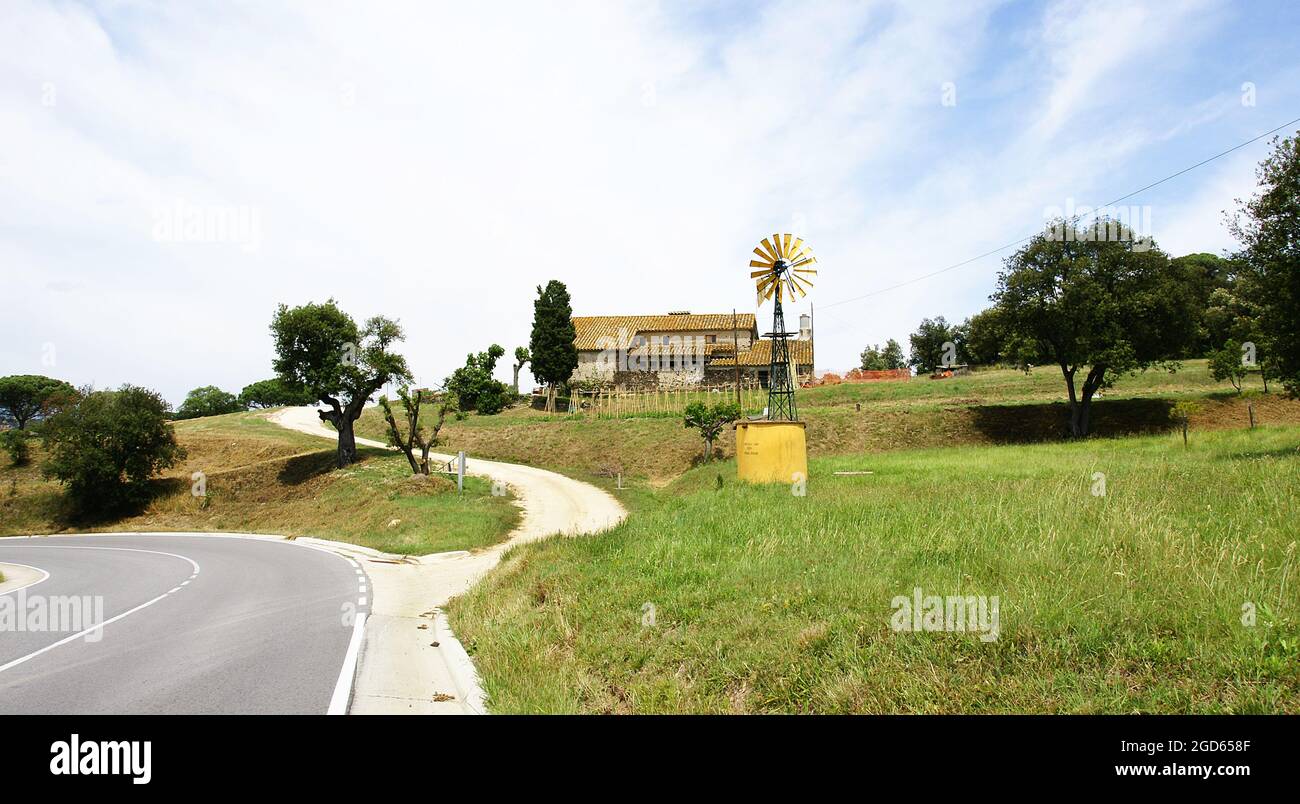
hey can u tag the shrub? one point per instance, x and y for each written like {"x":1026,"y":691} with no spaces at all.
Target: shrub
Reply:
{"x":208,"y":401}
{"x":106,"y":448}
{"x":15,"y":443}
{"x":710,"y":421}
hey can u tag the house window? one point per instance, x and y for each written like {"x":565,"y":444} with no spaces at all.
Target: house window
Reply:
{"x":710,"y":338}
{"x":665,"y":340}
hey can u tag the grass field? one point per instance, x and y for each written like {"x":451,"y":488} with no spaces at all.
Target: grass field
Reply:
{"x":988,"y":407}
{"x":1131,"y":601}
{"x":263,"y":478}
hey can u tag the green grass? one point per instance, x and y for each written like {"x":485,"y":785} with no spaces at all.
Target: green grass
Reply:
{"x":768,"y":602}
{"x":987,"y":407}
{"x":264,"y":478}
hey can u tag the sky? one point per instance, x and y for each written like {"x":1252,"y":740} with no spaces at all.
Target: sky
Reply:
{"x":171,"y":172}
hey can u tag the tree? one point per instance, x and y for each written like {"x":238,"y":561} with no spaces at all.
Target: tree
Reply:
{"x":208,"y":400}
{"x":1205,"y":274}
{"x":984,"y":337}
{"x":474,"y":385}
{"x":710,"y":420}
{"x":1268,"y":226}
{"x":1226,"y":364}
{"x":107,"y":446}
{"x":27,"y":396}
{"x":552,"y":347}
{"x":521,"y":359}
{"x":1087,"y":298}
{"x":883,"y":358}
{"x":931,"y":345}
{"x":416,"y":435}
{"x":274,"y":393}
{"x":319,"y":347}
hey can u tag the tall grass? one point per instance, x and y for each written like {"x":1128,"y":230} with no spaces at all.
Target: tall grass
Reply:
{"x":769,"y":602}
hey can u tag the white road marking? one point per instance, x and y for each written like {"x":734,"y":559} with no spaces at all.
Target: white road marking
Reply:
{"x":343,"y":687}
{"x":110,"y":620}
{"x":44,"y":577}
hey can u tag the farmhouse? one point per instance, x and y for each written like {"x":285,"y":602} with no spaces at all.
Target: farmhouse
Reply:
{"x":680,"y":350}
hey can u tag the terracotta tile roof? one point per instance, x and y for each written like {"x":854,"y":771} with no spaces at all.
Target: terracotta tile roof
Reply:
{"x":603,"y":331}
{"x":760,"y":354}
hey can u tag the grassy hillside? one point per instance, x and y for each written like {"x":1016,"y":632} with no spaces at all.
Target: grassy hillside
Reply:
{"x":989,"y":407}
{"x":264,"y":478}
{"x":768,"y":602}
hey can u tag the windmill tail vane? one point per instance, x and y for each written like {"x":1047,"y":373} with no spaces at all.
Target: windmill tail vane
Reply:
{"x":782,"y":273}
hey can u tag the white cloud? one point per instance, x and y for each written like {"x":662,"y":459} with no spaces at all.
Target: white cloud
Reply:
{"x":436,"y":163}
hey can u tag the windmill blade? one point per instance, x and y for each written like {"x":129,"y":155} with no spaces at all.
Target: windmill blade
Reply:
{"x":771,"y":252}
{"x":756,"y":274}
{"x":785,"y":249}
{"x":763,"y":284}
{"x":795,"y":283}
{"x":812,"y":271}
{"x":760,"y":264}
{"x":798,"y":247}
{"x":767,"y":258}
{"x":809,"y":260}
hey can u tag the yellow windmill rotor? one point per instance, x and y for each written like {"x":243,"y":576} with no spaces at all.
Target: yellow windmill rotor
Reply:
{"x":780,"y":257}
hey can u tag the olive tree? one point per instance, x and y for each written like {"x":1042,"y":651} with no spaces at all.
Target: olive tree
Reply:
{"x":1096,"y":300}
{"x":320,"y":348}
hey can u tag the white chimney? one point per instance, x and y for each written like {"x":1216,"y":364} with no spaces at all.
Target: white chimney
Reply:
{"x":805,"y":327}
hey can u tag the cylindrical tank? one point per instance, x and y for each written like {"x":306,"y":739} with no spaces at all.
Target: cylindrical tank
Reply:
{"x":771,"y":452}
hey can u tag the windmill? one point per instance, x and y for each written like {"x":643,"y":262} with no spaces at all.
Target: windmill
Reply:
{"x":783,"y":263}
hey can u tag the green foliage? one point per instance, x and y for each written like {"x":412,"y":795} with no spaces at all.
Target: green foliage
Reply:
{"x":1268,"y":225}
{"x":709,"y":420}
{"x":928,"y":341}
{"x":27,"y":396}
{"x":1225,"y":364}
{"x":105,"y":448}
{"x":1076,"y":297}
{"x":208,"y":400}
{"x":883,"y":358}
{"x":474,"y":385}
{"x":320,"y":348}
{"x":14,"y":442}
{"x":274,"y":393}
{"x":984,"y":338}
{"x":554,"y":354}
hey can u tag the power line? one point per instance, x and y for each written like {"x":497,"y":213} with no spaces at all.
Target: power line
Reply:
{"x":1124,"y":197}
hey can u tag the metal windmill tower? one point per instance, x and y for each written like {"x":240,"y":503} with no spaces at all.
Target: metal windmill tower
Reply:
{"x":780,"y":258}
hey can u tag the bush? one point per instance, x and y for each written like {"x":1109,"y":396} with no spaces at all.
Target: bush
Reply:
{"x":208,"y":401}
{"x":274,"y":393}
{"x":14,"y":442}
{"x":106,"y":448}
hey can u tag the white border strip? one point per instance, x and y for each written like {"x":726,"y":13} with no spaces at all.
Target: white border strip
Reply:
{"x":45,"y":576}
{"x":343,"y":687}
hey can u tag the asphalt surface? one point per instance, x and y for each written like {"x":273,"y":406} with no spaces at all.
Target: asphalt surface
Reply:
{"x":260,"y":627}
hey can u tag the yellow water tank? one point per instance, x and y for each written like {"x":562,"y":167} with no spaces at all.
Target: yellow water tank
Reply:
{"x":771,"y":452}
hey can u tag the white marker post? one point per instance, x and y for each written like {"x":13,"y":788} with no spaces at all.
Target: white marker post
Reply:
{"x":460,"y":471}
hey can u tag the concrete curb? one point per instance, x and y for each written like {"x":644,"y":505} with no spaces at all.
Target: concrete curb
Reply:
{"x":461,"y":667}
{"x":20,"y":576}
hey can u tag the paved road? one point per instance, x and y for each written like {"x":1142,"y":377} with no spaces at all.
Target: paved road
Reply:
{"x":192,"y":624}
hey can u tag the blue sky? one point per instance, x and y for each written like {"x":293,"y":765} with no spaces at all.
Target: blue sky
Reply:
{"x":435,"y":163}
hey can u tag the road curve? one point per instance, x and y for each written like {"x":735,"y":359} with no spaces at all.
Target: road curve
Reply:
{"x":401,"y":671}
{"x":189,"y":624}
